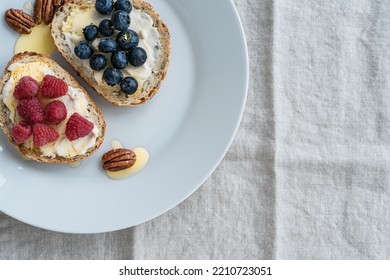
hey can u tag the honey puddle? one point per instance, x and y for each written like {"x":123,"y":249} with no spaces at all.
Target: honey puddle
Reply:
{"x":39,"y":40}
{"x":115,"y":144}
{"x":75,"y":164}
{"x":29,"y":6}
{"x":140,"y":163}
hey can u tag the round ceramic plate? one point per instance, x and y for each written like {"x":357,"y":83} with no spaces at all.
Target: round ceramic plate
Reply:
{"x":187,"y":128}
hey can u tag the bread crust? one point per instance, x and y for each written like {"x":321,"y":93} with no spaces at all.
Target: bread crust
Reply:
{"x":159,"y":71}
{"x":6,"y":125}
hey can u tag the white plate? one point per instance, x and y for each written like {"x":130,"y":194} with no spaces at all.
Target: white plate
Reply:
{"x":187,"y":128}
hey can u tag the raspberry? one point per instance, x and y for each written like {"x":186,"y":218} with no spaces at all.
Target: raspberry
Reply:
{"x":77,"y":127}
{"x":55,"y":112}
{"x":30,"y":110}
{"x":43,"y":134}
{"x":26,"y":88}
{"x":52,"y":87}
{"x":20,"y":132}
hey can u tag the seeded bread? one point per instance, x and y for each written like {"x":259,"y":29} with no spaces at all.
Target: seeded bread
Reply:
{"x":6,"y":124}
{"x":113,"y":94}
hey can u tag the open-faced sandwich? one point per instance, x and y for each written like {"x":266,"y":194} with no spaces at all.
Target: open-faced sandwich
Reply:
{"x":46,"y":115}
{"x":120,"y":48}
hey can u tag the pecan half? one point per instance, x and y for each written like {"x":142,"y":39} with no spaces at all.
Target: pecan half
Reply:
{"x":48,"y":11}
{"x":19,"y":21}
{"x":38,"y":11}
{"x":57,"y":3}
{"x":118,"y":159}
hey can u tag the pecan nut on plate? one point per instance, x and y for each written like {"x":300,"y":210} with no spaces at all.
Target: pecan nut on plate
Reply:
{"x":19,"y":21}
{"x":118,"y":159}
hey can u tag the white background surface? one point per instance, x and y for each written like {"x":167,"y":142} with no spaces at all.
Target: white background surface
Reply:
{"x":307,"y":176}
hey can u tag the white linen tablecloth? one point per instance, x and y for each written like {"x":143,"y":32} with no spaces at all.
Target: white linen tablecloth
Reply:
{"x":308,"y":174}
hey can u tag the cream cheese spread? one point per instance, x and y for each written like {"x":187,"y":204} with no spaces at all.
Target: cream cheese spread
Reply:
{"x":74,"y":100}
{"x":141,"y":22}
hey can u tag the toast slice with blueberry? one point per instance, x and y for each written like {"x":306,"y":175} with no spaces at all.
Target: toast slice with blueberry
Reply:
{"x":45,"y":113}
{"x":121,"y":48}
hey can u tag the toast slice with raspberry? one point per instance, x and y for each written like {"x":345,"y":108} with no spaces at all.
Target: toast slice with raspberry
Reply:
{"x":41,"y":105}
{"x":67,"y":29}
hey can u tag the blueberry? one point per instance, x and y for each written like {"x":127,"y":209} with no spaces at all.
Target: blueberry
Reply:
{"x":104,"y":6}
{"x":107,"y":45}
{"x":121,"y":20}
{"x":83,"y":50}
{"x":124,"y":5}
{"x":112,"y":76}
{"x":127,"y":40}
{"x":106,"y":28}
{"x":119,"y":59}
{"x":129,"y":85}
{"x":90,"y":32}
{"x":98,"y":62}
{"x":138,"y":57}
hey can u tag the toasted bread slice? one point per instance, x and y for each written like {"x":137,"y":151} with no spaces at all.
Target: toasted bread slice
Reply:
{"x":76,"y":100}
{"x":67,"y":27}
